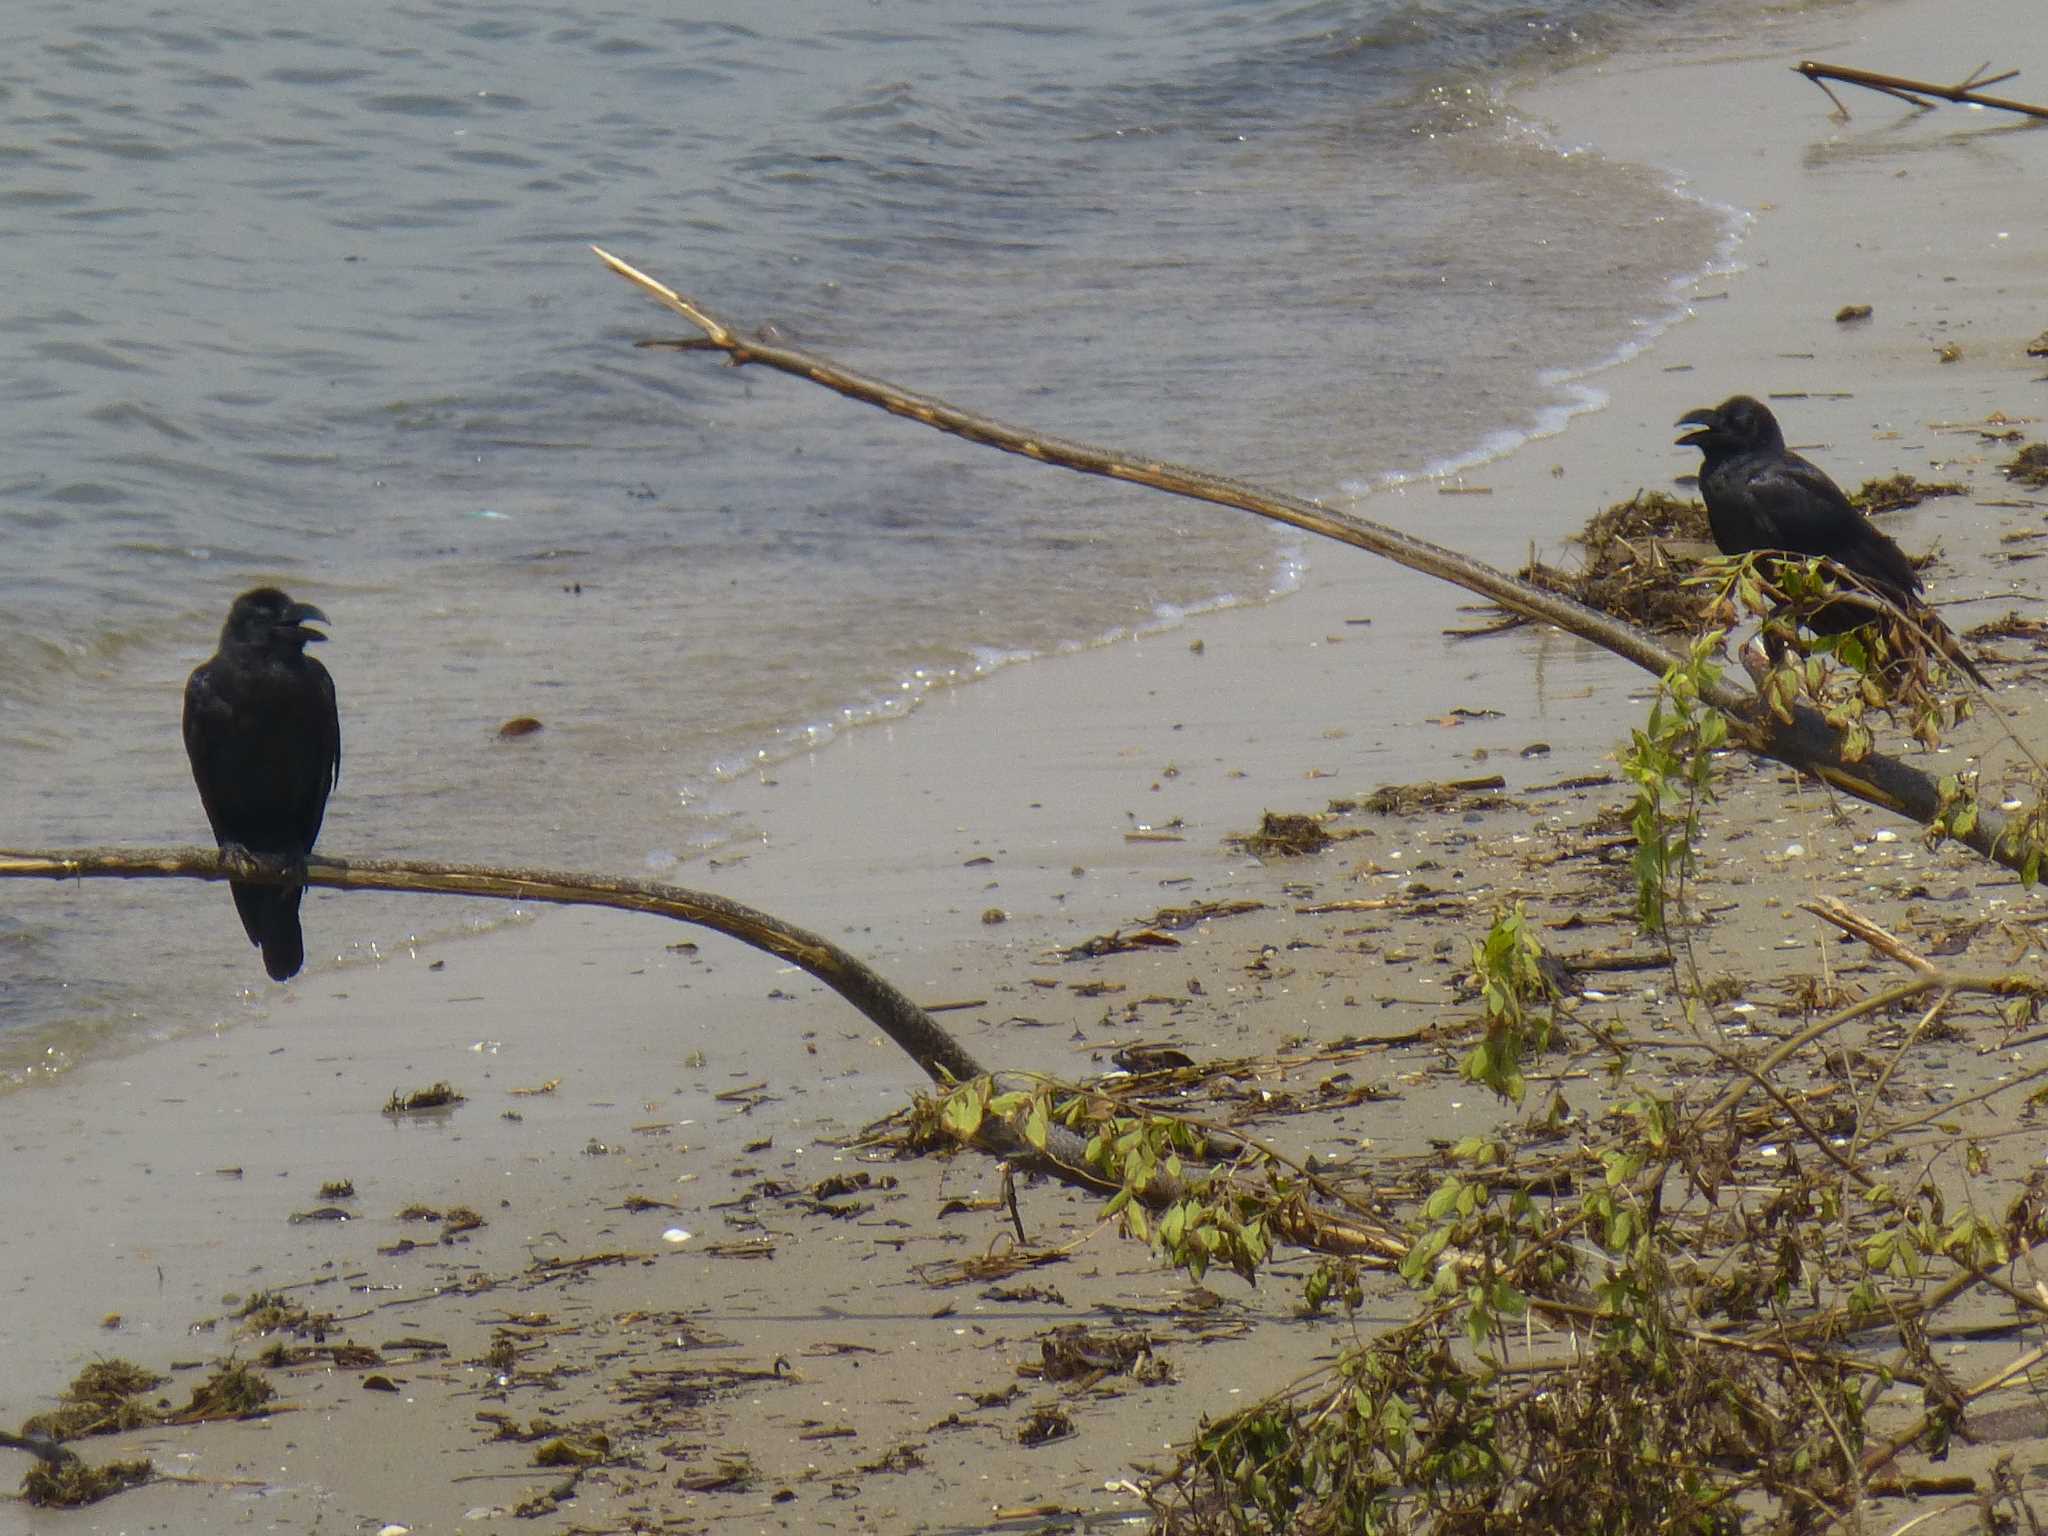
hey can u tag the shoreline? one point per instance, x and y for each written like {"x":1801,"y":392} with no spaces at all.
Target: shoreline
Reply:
{"x":120,"y":1184}
{"x":666,"y":783}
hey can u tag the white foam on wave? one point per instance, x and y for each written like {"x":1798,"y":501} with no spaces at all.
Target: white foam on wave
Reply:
{"x":1578,"y":396}
{"x":1286,"y":573}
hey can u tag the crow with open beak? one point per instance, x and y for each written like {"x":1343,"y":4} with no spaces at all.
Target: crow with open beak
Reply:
{"x":1761,"y":495}
{"x":264,"y":738}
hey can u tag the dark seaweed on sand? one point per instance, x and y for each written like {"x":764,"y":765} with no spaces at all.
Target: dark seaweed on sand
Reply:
{"x":440,"y":1096}
{"x":1894,"y":493}
{"x":103,"y":1399}
{"x":233,"y":1391}
{"x":1629,"y":570}
{"x":106,"y":1398}
{"x":78,"y":1482}
{"x":1284,"y":834}
{"x":2029,"y":466}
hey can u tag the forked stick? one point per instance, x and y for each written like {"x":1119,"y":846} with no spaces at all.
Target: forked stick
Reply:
{"x":1910,"y":91}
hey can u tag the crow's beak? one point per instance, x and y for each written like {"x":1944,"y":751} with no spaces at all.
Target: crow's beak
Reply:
{"x":298,"y":614}
{"x":1706,"y":418}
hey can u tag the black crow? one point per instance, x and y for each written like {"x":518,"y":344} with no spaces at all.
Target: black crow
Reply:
{"x":1762,"y":495}
{"x":264,"y":738}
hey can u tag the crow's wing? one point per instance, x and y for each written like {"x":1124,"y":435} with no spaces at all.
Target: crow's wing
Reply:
{"x":209,"y":729}
{"x":1797,"y":507}
{"x":265,"y":746}
{"x":320,"y":770}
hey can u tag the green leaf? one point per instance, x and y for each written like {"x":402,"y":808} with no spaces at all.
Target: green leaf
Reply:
{"x":1038,"y":1125}
{"x":1443,"y":1201}
{"x":961,"y":1114}
{"x":1416,"y":1261}
{"x":1317,"y":1290}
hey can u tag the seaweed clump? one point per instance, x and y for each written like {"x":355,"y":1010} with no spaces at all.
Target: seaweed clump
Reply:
{"x":1895,"y":492}
{"x":2009,"y":627}
{"x":1400,"y":799}
{"x":271,"y":1312}
{"x":233,"y":1391}
{"x":1648,"y":515}
{"x":2029,"y":466}
{"x":563,"y":1451}
{"x":1630,"y":571}
{"x":103,"y":1399}
{"x":440,"y":1096}
{"x":1285,"y":834}
{"x":76,"y":1482}
{"x":106,"y":1398}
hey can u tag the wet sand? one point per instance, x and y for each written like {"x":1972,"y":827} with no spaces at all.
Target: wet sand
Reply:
{"x":698,"y":1090}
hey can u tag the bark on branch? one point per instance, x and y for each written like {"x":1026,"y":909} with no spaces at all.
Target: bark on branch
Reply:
{"x":1808,"y":743}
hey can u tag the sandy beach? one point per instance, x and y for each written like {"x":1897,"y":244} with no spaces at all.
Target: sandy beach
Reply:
{"x":649,"y":1108}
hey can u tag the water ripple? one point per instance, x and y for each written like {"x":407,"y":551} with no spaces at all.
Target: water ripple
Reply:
{"x":309,"y":301}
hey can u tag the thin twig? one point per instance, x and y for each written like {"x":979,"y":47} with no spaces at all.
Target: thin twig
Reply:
{"x":1868,"y":1107}
{"x":1900,"y":86}
{"x":1879,"y":1455}
{"x":1934,"y":981}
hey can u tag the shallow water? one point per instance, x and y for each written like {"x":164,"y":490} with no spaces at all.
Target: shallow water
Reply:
{"x":310,"y":301}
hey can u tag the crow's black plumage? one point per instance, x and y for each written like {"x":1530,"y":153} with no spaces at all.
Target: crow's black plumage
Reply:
{"x":1762,"y":495}
{"x":264,"y":738}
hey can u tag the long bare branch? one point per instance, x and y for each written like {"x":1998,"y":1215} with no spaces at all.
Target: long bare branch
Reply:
{"x":1807,"y":743}
{"x":941,"y":1057}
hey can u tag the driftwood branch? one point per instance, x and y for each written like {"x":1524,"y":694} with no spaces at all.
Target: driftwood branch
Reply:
{"x":891,"y":1010}
{"x":1808,"y":743}
{"x":1913,"y":91}
{"x":941,"y":1057}
{"x":1857,"y":926}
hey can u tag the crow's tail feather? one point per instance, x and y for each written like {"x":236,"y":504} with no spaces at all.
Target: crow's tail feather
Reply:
{"x":270,"y":916}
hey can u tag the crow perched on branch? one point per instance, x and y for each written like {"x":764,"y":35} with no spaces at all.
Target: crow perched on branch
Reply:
{"x":1760,"y":495}
{"x":264,"y":738}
